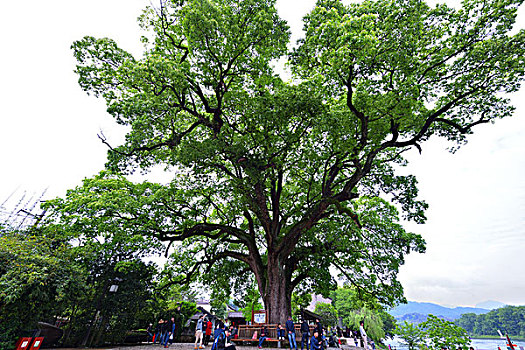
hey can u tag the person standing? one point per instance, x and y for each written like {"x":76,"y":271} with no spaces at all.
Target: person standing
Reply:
{"x":158,"y":331}
{"x":199,"y":332}
{"x":163,"y":331}
{"x":305,"y":331}
{"x":290,"y":329}
{"x":170,"y":333}
{"x":151,"y":332}
{"x":318,"y":327}
{"x":207,"y":336}
{"x":219,"y":331}
{"x":364,"y":337}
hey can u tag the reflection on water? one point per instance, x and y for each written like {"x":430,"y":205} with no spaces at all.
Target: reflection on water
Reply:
{"x":478,"y":344}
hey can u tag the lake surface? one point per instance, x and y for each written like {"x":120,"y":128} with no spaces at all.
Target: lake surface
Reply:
{"x":492,"y":344}
{"x":478,"y":344}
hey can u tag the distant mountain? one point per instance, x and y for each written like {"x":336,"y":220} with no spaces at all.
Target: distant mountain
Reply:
{"x":412,"y":318}
{"x":490,"y":305}
{"x":417,"y":311}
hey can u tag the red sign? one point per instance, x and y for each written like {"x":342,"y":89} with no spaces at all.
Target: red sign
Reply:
{"x":37,"y":343}
{"x":23,"y":343}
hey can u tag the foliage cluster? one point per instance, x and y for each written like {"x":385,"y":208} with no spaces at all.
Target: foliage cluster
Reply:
{"x":349,"y":307}
{"x":251,"y":302}
{"x":435,"y":333}
{"x":52,"y":273}
{"x":38,"y":278}
{"x":510,"y":319}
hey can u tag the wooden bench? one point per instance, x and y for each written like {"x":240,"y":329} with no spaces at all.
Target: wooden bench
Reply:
{"x":245,"y":334}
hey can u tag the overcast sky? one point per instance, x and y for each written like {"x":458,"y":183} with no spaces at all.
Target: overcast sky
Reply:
{"x":476,"y":222}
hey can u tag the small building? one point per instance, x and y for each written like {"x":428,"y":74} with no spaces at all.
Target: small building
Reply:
{"x":204,"y":303}
{"x":236,"y":318}
{"x":309,"y":316}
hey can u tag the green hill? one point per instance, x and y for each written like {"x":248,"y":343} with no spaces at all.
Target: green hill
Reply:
{"x":415,"y":312}
{"x":510,"y":319}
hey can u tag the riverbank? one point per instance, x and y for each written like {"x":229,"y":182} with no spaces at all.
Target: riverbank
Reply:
{"x":476,"y":343}
{"x":497,"y":337}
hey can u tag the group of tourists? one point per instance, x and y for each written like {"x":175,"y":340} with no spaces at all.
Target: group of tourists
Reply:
{"x":320,"y":339}
{"x":315,"y":341}
{"x":163,"y":333}
{"x":203,"y":332}
{"x":223,"y":336}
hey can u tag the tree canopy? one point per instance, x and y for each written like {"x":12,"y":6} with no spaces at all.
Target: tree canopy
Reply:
{"x":53,"y":273}
{"x":435,"y":333}
{"x":290,"y":180}
{"x":36,"y":278}
{"x":354,"y":306}
{"x":442,"y":334}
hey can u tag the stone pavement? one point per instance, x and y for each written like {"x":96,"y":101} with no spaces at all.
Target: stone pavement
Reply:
{"x":189,"y":346}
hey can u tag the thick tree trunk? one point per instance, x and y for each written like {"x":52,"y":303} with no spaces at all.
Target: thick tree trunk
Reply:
{"x":277,"y":294}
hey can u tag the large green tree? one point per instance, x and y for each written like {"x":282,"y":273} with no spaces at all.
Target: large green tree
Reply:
{"x":285,"y":179}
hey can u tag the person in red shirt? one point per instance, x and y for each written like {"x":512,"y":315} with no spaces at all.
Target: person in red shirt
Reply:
{"x":207,"y":335}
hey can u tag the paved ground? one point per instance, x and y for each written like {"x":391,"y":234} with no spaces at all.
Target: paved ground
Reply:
{"x":189,"y":346}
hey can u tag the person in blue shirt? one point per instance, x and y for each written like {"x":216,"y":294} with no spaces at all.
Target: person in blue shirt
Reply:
{"x":224,"y":341}
{"x":199,"y":331}
{"x":280,"y":332}
{"x":219,"y":332}
{"x":290,"y":329}
{"x":315,"y":343}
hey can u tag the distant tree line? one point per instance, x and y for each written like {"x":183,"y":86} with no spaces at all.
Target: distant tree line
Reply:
{"x":510,"y":319}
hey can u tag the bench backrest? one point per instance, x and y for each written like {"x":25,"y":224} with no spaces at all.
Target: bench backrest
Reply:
{"x":246,"y":331}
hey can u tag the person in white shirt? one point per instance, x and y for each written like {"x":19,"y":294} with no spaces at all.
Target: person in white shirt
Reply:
{"x":363,"y":334}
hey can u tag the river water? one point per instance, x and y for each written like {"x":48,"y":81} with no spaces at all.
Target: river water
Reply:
{"x":478,"y":344}
{"x":492,"y":344}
